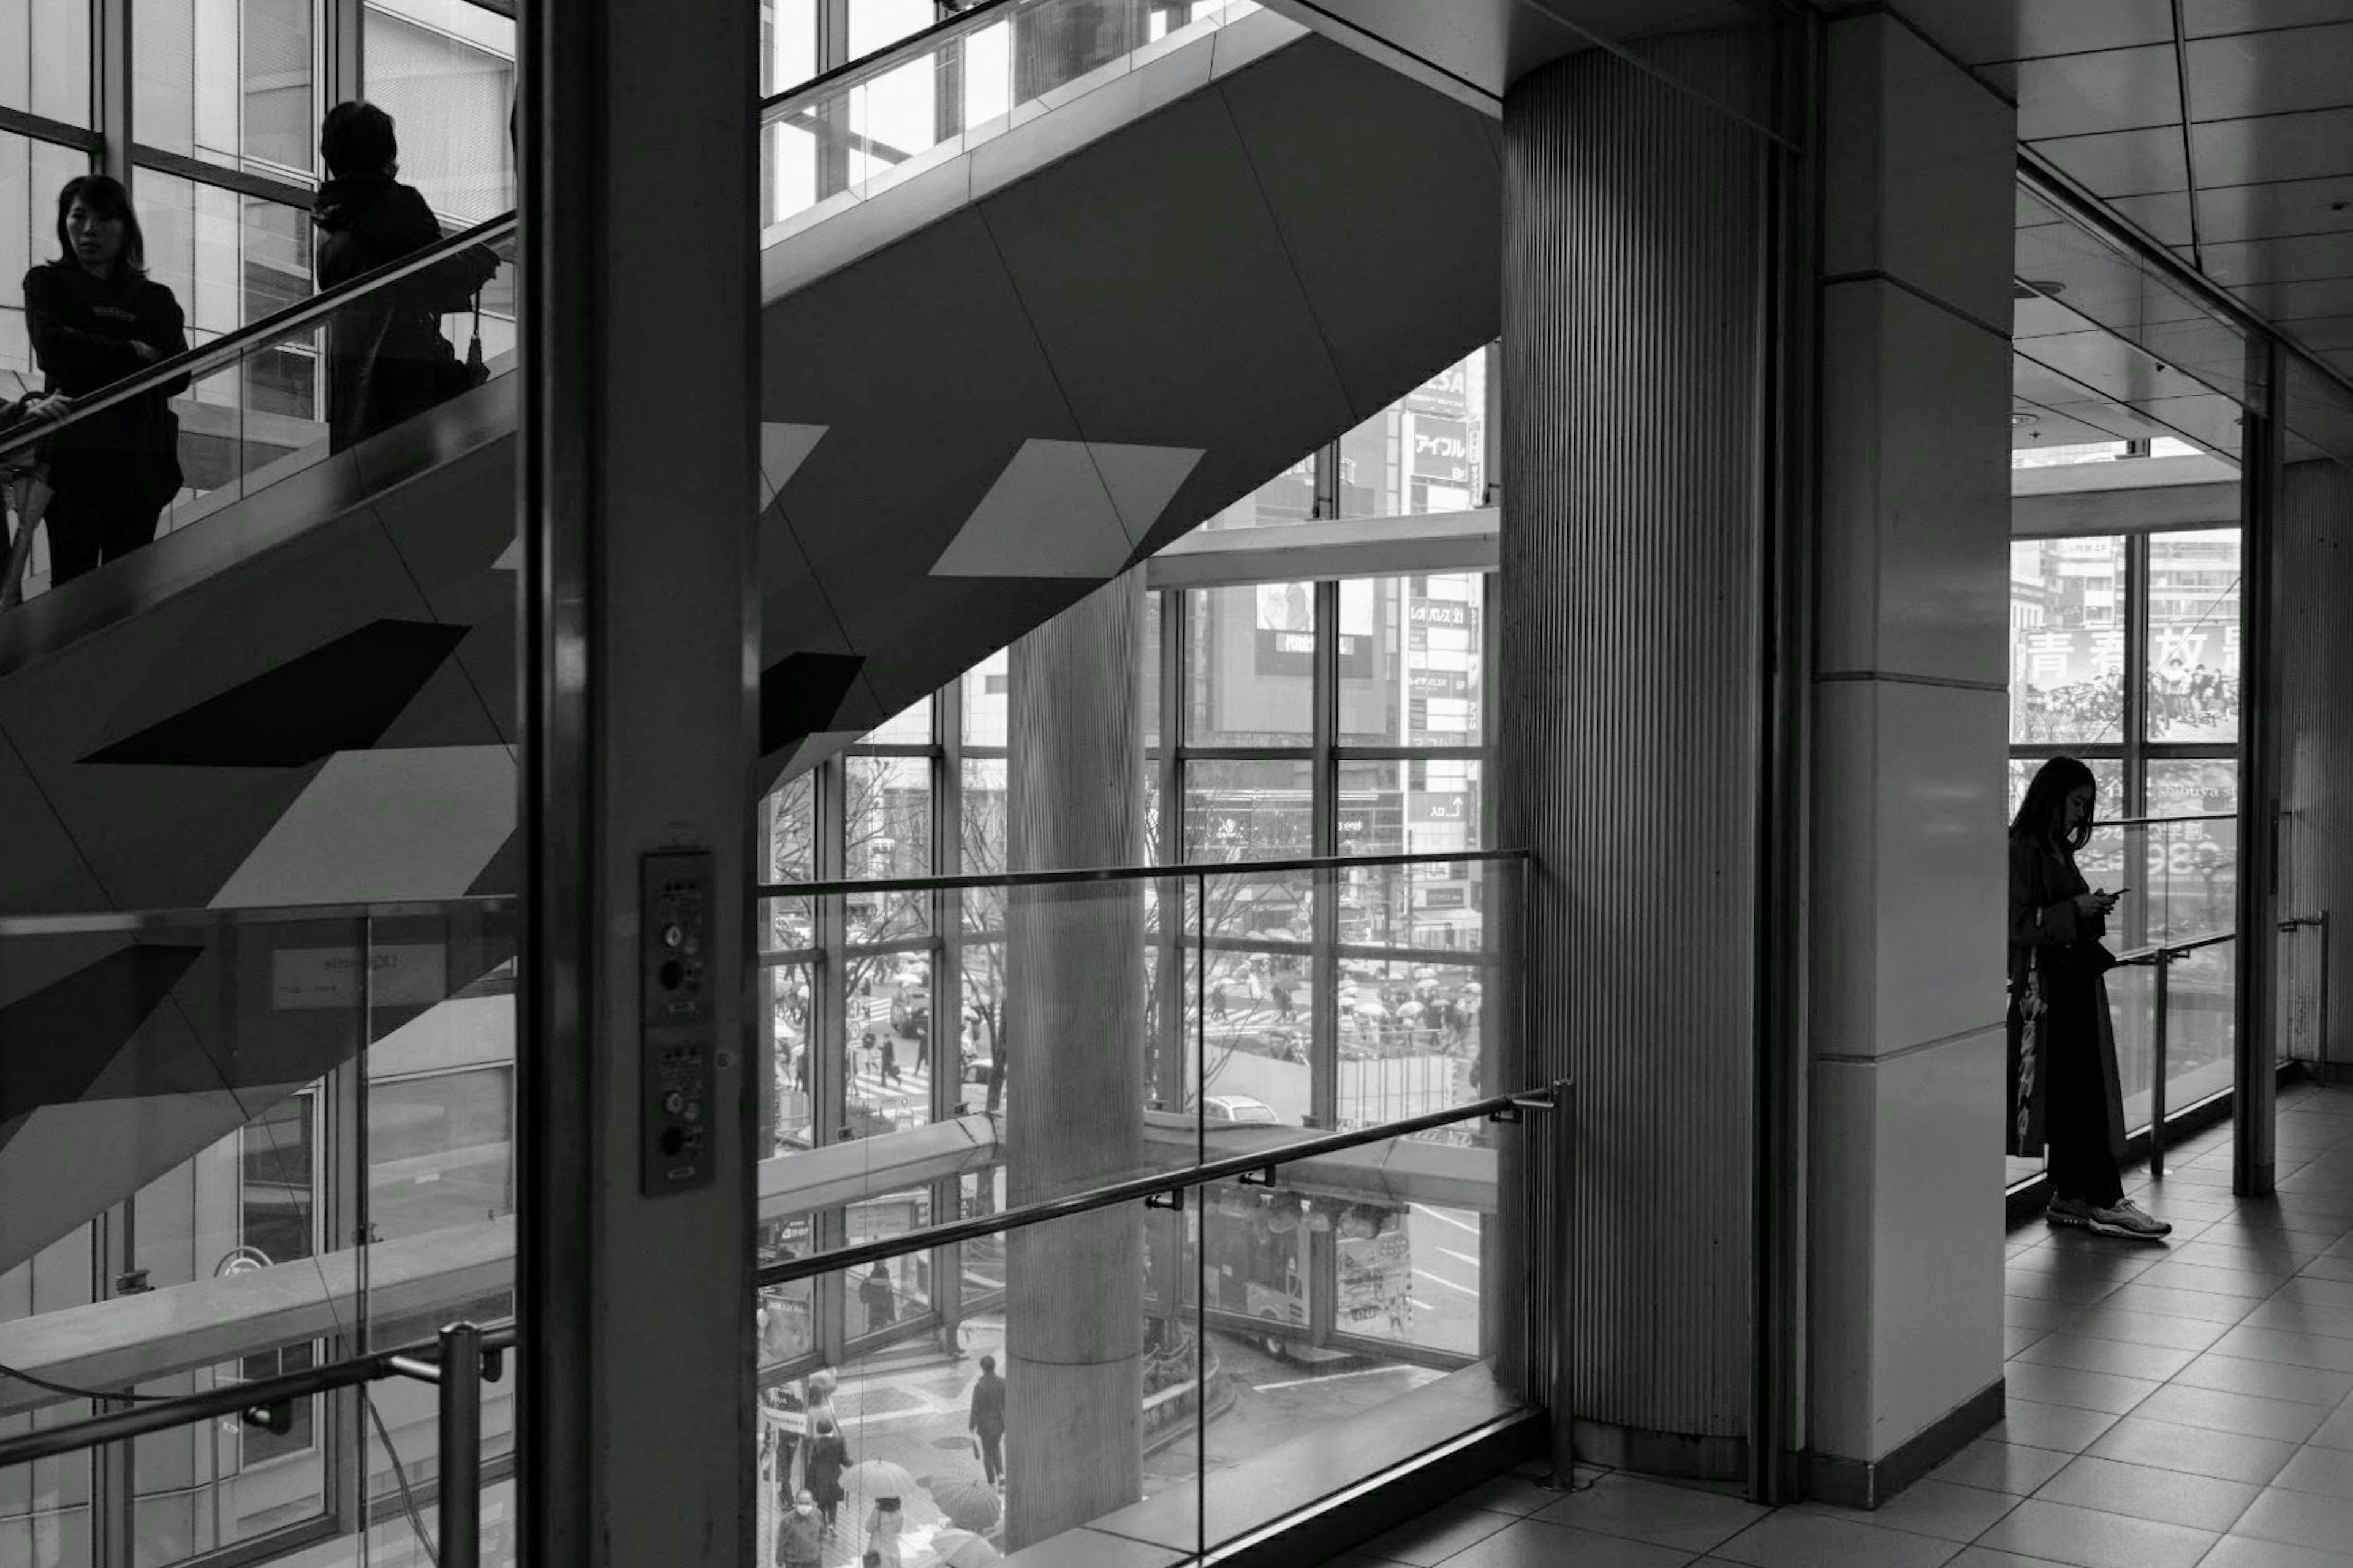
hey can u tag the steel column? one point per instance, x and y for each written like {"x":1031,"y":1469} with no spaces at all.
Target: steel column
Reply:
{"x":460,"y":1429}
{"x":638,"y":658}
{"x":2262,"y":458}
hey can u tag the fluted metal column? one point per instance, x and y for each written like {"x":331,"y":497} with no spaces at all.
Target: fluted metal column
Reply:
{"x":1630,"y":683}
{"x":1075,"y":1091}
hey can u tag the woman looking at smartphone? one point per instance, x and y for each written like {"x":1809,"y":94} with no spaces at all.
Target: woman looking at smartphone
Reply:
{"x":2065,"y":1090}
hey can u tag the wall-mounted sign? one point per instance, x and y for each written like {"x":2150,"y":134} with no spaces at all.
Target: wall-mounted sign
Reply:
{"x":400,"y":974}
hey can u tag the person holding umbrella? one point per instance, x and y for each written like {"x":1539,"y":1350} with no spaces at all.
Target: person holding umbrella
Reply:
{"x":883,"y":1525}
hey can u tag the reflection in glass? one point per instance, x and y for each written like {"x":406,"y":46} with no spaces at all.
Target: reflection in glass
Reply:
{"x":2193,"y":636}
{"x":2067,"y":641}
{"x":1251,"y":655}
{"x":238,"y":95}
{"x":444,"y":70}
{"x":1411,"y":664}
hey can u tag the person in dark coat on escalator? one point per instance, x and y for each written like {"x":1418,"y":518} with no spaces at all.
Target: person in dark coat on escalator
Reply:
{"x":386,"y":359}
{"x":95,"y":317}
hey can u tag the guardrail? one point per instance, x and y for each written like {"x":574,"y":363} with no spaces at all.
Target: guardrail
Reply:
{"x":465,"y":1355}
{"x":2161,"y":956}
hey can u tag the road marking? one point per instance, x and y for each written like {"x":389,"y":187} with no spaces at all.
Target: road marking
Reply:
{"x":1445,"y":1218}
{"x":1451,"y":1284}
{"x":1458,"y":1257}
{"x":1328,"y":1377}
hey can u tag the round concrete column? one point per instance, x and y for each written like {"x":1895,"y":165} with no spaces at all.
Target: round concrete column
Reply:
{"x":1075,"y":1090}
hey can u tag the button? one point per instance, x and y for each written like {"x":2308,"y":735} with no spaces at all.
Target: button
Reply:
{"x":675,"y":1100}
{"x":673,"y":936}
{"x":694,"y":1109}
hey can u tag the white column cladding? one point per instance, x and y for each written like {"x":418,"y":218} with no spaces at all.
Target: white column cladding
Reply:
{"x":1905,"y":988}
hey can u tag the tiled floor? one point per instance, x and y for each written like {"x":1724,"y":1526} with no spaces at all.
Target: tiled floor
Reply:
{"x":2188,"y":1403}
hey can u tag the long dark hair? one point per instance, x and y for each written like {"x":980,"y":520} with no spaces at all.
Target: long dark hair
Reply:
{"x":106,"y":194}
{"x":2043,"y":814}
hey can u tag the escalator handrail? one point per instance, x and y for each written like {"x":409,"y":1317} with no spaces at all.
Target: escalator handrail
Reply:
{"x":228,"y":349}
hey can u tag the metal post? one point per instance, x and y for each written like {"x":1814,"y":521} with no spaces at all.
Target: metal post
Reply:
{"x":462,"y":1446}
{"x":2321,"y":919}
{"x":2156,"y":1069}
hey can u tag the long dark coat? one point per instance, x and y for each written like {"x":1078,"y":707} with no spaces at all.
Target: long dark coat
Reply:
{"x":2058,"y":1001}
{"x":827,"y":1457}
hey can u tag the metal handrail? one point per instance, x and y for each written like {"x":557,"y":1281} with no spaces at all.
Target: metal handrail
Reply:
{"x":117,"y":922}
{"x":1125,"y":874}
{"x":2163,"y":952}
{"x":228,"y":349}
{"x":1164,"y":1183}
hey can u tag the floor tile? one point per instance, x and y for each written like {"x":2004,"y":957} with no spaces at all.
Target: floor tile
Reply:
{"x":1654,"y":1511}
{"x":2247,"y":1552}
{"x":2328,"y":1266}
{"x":1791,"y":1539}
{"x":2336,"y":1432}
{"x":1987,"y":1557}
{"x":2108,"y":1322}
{"x":2296,"y":1316}
{"x":2214,"y":1281}
{"x":2333,"y":1294}
{"x":2057,"y":1426}
{"x":2025,"y":1312}
{"x":2193,"y":1450}
{"x":1931,"y":1507}
{"x":2011,"y":1468}
{"x":2201,"y":1306}
{"x":2294,"y":1350}
{"x":2266,"y":1379}
{"x":2116,"y":1358}
{"x":2328,"y":1471}
{"x":2046,"y":1288}
{"x":2047,"y":1384}
{"x":1533,"y":1543}
{"x":2279,"y":1419}
{"x":1510,"y":1494}
{"x":2089,"y":1538}
{"x":2300,"y":1518}
{"x":2140,"y":1493}
{"x":1436,"y":1536}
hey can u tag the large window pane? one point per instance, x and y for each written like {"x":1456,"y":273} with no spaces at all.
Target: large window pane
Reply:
{"x":1424,"y":453}
{"x":44,"y":65}
{"x":793,"y":1001}
{"x":444,"y":70}
{"x":1289,"y":497}
{"x":440,"y":1151}
{"x":227,"y":81}
{"x":910,"y":726}
{"x":887,"y":833}
{"x":31,"y":175}
{"x":987,"y":688}
{"x":884,"y":1295}
{"x":1410,"y":671}
{"x":2193,"y":636}
{"x":886,"y":1058}
{"x":1251,"y":657}
{"x":1248,"y":811}
{"x":2066,"y":641}
{"x":788,"y":45}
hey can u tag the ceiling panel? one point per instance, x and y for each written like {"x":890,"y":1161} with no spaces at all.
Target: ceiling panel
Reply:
{"x":2112,"y":367}
{"x":2281,"y":72}
{"x":2293,"y":302}
{"x":2165,"y":217}
{"x":2227,"y":213}
{"x":2203,"y":18}
{"x":2249,"y":263}
{"x":2121,"y":162}
{"x":1981,"y":31}
{"x":2076,"y":95}
{"x":2310,"y":145}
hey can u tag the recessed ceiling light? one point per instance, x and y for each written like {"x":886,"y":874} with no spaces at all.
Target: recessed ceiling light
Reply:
{"x":2028,"y":288}
{"x":2019,"y":416}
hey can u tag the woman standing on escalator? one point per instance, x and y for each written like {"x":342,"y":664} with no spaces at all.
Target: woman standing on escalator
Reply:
{"x":96,"y":317}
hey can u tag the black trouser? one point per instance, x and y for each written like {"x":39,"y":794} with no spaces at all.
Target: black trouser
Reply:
{"x":992,"y":1455}
{"x":2075,"y":1118}
{"x":88,"y":528}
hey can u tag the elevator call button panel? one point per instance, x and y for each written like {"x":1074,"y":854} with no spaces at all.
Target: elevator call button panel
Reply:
{"x":678,"y":1037}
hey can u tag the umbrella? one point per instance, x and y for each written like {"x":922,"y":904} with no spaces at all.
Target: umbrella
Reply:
{"x":880,"y":1477}
{"x":968,"y":1504}
{"x":963,"y":1549}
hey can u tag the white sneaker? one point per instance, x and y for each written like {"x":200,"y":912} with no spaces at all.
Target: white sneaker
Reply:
{"x":2126,"y":1218}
